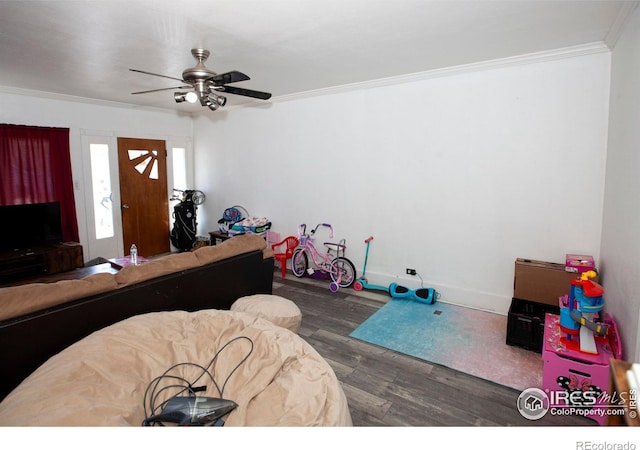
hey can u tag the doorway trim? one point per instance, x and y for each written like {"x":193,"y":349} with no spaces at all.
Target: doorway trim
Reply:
{"x":84,"y":202}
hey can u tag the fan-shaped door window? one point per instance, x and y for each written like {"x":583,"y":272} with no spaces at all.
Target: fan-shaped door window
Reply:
{"x":146,"y":162}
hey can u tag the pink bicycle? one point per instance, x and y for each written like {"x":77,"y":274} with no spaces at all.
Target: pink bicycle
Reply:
{"x":340,"y":269}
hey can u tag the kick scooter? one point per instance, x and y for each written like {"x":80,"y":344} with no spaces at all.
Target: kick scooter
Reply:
{"x":362,"y":282}
{"x":423,"y":295}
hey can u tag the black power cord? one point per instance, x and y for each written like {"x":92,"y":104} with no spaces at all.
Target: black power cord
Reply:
{"x":183,"y":386}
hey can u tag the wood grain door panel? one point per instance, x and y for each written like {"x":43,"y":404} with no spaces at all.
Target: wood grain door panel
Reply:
{"x":143,"y":192}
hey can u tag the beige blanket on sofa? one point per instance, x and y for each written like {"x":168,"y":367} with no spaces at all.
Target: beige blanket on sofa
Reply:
{"x":101,"y":380}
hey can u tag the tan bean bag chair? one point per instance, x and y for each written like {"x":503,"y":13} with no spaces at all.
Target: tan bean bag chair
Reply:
{"x":278,"y":310}
{"x":101,"y":380}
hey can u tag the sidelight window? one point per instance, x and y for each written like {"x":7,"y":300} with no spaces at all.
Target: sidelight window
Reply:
{"x":102,"y":192}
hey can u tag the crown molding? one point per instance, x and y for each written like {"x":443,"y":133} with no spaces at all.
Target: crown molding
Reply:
{"x":87,"y":100}
{"x":618,"y":25}
{"x":529,"y":58}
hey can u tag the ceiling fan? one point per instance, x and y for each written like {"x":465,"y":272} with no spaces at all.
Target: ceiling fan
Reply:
{"x":206,"y":84}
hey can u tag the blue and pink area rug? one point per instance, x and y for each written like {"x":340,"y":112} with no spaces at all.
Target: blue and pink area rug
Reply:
{"x":465,"y":339}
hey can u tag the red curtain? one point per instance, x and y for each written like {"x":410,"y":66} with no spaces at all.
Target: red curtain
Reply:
{"x":35,"y":167}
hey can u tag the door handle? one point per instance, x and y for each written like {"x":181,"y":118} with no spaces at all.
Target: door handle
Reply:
{"x":125,"y":206}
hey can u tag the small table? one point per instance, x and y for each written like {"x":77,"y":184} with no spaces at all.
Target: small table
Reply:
{"x":74,"y":274}
{"x":124,"y":261}
{"x":214,"y":236}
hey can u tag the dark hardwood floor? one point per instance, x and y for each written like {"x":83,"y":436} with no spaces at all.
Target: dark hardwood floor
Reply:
{"x":386,"y":388}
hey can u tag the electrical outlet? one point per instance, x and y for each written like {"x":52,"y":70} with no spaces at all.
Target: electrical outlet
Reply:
{"x":411,"y":271}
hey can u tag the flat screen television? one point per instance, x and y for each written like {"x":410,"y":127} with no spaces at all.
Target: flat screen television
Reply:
{"x":30,"y":225}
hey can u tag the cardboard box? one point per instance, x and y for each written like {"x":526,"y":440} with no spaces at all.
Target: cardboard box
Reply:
{"x":541,"y":281}
{"x":579,"y":263}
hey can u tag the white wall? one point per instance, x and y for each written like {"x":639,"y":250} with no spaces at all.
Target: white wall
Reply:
{"x":621,"y":221}
{"x":80,"y":116}
{"x":455,"y":176}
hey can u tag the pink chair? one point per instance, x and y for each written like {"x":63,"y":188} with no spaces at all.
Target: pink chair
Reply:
{"x":288,"y":244}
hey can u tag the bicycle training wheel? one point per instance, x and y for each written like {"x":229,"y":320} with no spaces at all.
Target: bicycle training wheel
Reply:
{"x":343,"y":272}
{"x":299,"y":262}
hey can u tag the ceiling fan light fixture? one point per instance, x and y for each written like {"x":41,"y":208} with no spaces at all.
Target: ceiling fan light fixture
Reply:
{"x":191,"y":97}
{"x":205,"y":83}
{"x":219,"y":99}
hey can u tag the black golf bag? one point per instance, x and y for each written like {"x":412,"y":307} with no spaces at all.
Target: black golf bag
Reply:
{"x":183,"y":233}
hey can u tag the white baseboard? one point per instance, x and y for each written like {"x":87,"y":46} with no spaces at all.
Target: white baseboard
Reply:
{"x":455,"y":295}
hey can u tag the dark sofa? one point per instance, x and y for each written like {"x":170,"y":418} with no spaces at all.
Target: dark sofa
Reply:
{"x":209,"y":278}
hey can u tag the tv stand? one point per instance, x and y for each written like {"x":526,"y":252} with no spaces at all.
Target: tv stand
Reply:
{"x":22,"y":263}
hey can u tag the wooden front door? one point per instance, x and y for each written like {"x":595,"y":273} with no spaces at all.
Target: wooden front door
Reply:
{"x":143,"y":193}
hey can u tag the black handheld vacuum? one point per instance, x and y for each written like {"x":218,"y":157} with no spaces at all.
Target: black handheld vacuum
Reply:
{"x":193,"y":411}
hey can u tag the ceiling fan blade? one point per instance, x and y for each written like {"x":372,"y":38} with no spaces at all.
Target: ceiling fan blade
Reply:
{"x":157,"y":75}
{"x":162,"y":89}
{"x":246,"y":92}
{"x":230,"y":77}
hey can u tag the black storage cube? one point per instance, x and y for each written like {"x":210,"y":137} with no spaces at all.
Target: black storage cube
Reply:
{"x":525,"y":323}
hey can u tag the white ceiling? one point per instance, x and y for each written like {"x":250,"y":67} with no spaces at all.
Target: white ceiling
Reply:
{"x":86,"y":48}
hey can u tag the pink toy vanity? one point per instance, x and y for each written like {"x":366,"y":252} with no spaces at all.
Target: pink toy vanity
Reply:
{"x":572,"y":378}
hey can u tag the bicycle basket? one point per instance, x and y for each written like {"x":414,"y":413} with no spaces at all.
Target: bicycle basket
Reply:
{"x":305,"y":239}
